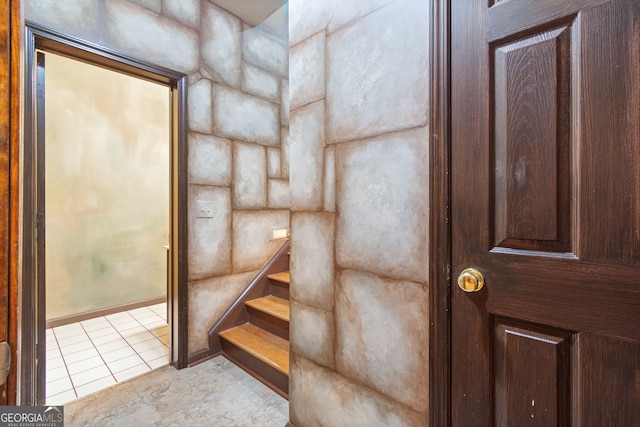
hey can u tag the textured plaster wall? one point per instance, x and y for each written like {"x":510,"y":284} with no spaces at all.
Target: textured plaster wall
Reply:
{"x":238,"y":128}
{"x":359,"y":212}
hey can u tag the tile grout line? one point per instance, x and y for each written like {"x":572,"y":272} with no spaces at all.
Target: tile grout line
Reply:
{"x":99,"y":354}
{"x":118,"y":333}
{"x":155,"y":337}
{"x":64,"y":363}
{"x":128,"y":343}
{"x":151,"y":332}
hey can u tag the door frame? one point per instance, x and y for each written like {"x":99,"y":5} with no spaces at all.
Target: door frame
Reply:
{"x":439,"y":224}
{"x":31,"y":384}
{"x":10,"y":32}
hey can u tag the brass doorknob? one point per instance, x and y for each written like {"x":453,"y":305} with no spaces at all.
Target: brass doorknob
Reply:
{"x":470,"y":280}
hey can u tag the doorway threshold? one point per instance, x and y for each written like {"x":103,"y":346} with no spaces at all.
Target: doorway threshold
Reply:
{"x":94,"y":354}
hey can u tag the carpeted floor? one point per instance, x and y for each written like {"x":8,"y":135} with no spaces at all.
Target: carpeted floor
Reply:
{"x":213,"y":393}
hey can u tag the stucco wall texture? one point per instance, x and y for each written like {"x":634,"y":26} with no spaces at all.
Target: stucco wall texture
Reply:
{"x":359,"y":212}
{"x":356,"y":165}
{"x":238,"y":128}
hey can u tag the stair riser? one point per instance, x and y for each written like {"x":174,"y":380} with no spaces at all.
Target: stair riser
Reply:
{"x":272,"y":324}
{"x":260,"y":286}
{"x":279,"y":289}
{"x":266,"y":374}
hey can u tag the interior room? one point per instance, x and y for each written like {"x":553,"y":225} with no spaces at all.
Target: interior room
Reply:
{"x":378,"y":212}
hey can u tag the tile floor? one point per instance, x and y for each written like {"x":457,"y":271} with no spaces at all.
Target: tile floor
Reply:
{"x":94,"y":354}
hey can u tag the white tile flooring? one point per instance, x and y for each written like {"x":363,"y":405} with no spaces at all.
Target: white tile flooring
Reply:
{"x":94,"y":354}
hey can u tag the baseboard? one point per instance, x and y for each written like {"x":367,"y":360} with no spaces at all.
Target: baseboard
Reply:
{"x":289,"y":424}
{"x":201,"y":356}
{"x":66,"y":320}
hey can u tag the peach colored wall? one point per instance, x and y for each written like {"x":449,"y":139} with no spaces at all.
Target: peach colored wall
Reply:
{"x":107,"y":187}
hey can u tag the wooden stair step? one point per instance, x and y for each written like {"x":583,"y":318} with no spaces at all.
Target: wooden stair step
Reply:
{"x":272,"y":305}
{"x":263,"y":345}
{"x":283,"y":277}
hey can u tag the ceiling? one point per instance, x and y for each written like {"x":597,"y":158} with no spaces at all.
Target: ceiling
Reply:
{"x":254,"y":12}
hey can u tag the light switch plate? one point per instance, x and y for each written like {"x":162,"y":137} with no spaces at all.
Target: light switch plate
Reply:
{"x":204,"y":209}
{"x":278,"y":233}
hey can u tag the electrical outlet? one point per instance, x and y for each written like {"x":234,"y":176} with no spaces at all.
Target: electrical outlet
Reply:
{"x":204,"y":209}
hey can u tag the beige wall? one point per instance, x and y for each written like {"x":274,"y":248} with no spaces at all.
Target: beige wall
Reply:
{"x":357,"y":160}
{"x":107,"y":187}
{"x":238,"y":128}
{"x":359,"y":206}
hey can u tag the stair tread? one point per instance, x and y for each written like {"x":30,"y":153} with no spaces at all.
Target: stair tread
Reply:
{"x":276,"y":307}
{"x":283,"y":277}
{"x":261,"y":344}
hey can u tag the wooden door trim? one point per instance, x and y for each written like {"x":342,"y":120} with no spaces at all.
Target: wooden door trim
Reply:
{"x":39,"y":37}
{"x":9,"y":155}
{"x":439,"y":225}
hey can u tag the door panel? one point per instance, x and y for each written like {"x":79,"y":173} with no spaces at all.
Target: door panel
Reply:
{"x":545,"y":203}
{"x":530,"y":363}
{"x":531,"y":141}
{"x":608,"y":373}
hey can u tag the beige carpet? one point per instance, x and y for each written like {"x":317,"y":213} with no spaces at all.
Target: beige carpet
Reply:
{"x":213,"y":393}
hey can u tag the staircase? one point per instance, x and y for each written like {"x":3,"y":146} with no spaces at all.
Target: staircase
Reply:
{"x":254,"y":332}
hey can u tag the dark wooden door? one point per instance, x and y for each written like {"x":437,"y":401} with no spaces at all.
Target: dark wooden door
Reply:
{"x":5,"y":138}
{"x":9,"y":94}
{"x":545,"y":203}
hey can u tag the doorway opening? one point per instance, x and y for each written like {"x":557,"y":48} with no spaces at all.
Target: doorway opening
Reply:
{"x":104,"y":218}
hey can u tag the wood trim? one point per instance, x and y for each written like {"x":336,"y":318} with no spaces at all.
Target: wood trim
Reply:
{"x":5,"y":149}
{"x":202,"y":356}
{"x":14,"y":181}
{"x":79,"y":317}
{"x":76,"y":48}
{"x":39,"y":197}
{"x":439,"y":228}
{"x":28,"y":308}
{"x":9,"y":145}
{"x":179,"y":304}
{"x":43,"y":38}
